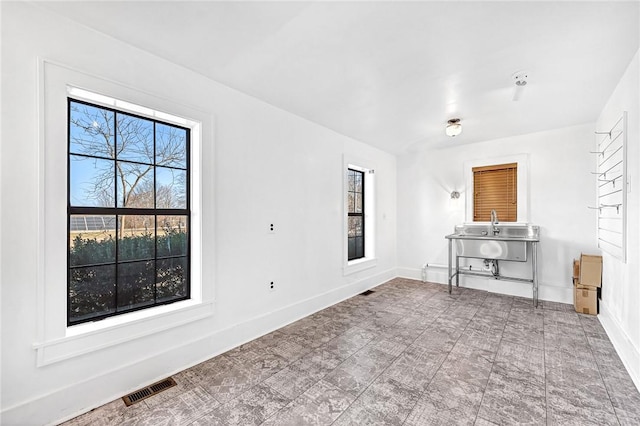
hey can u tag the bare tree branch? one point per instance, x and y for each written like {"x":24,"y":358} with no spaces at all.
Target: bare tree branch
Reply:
{"x":95,"y":133}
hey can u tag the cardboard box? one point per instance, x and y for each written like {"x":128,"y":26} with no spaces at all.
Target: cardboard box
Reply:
{"x":576,"y":269}
{"x":585,"y":299}
{"x":590,"y":270}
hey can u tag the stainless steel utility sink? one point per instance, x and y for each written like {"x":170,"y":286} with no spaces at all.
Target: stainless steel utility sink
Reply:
{"x":502,"y":242}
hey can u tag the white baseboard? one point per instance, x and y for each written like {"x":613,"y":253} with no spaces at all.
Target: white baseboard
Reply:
{"x":100,"y":389}
{"x":628,"y":353}
{"x":439,"y":275}
{"x":411,"y":273}
{"x":545,"y":292}
{"x":432,"y":274}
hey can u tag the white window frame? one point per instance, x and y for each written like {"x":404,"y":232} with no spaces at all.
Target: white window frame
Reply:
{"x":57,"y":341}
{"x":523,"y":184}
{"x":369,"y":260}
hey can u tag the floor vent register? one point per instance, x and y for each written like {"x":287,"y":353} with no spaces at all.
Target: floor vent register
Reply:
{"x":149,"y":391}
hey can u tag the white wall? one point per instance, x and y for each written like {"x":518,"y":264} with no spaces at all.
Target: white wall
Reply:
{"x":620,"y":307}
{"x":267,"y":166}
{"x":560,"y":187}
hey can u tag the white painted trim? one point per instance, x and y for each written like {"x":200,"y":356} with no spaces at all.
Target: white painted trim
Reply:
{"x":523,"y":183}
{"x":57,"y":350}
{"x":41,"y":243}
{"x":126,"y":378}
{"x":553,"y":293}
{"x":55,"y":341}
{"x":359,"y":265}
{"x":411,"y":273}
{"x":369,"y":261}
{"x":433,"y":275}
{"x":548,"y":292}
{"x":627,"y":351}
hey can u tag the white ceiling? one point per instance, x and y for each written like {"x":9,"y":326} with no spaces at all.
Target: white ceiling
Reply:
{"x":392,"y":73}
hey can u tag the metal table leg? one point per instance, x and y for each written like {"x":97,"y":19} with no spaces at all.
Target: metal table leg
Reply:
{"x":534,"y":267}
{"x":449,"y":268}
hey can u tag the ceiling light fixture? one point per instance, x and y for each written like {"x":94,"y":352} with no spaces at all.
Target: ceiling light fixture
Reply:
{"x":454,"y":128}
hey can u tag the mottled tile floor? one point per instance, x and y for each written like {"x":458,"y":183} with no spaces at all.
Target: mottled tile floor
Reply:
{"x":408,"y":354}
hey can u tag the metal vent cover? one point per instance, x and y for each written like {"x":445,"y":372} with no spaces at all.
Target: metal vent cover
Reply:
{"x":148,"y":391}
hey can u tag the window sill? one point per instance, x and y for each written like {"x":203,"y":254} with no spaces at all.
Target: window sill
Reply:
{"x":358,"y":265}
{"x":90,"y":337}
{"x":129,"y":318}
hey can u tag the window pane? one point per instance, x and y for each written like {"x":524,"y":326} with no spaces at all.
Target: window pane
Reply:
{"x":91,"y":131}
{"x":91,"y":240}
{"x":359,"y":247}
{"x":171,"y":188}
{"x":137,"y":191}
{"x":352,"y":202}
{"x":136,"y":237}
{"x":134,"y":139}
{"x":358,"y":182}
{"x":356,"y":248}
{"x":171,"y":281}
{"x":352,"y":248}
{"x":135,"y":285}
{"x":172,"y":236}
{"x":91,"y":182}
{"x":91,"y":292}
{"x":351,"y":231}
{"x":358,"y":203}
{"x":355,"y":226}
{"x":171,"y":146}
{"x":351,"y":177}
{"x":92,"y":223}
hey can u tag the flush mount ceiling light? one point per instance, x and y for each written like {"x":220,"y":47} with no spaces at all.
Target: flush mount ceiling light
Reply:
{"x":454,"y":128}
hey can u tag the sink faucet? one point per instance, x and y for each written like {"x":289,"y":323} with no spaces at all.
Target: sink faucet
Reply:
{"x":494,"y":222}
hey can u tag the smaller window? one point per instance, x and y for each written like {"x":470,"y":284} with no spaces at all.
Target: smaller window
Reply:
{"x":495,"y":188}
{"x":355,"y":213}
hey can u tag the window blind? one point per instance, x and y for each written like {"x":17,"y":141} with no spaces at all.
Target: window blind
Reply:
{"x":495,"y":188}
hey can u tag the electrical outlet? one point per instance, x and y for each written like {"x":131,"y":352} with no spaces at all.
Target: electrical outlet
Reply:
{"x":271,"y":229}
{"x":271,"y":286}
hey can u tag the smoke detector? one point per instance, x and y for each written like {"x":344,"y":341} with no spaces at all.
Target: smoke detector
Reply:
{"x":520,"y":80}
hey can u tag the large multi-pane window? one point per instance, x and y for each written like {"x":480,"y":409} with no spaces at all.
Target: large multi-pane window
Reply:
{"x":128,"y":212}
{"x":355,"y":213}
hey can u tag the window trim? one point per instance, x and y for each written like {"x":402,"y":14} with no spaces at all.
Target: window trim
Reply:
{"x":117,"y":211}
{"x":362,"y":213}
{"x":54,"y":341}
{"x":522,"y":161}
{"x":369,"y":260}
